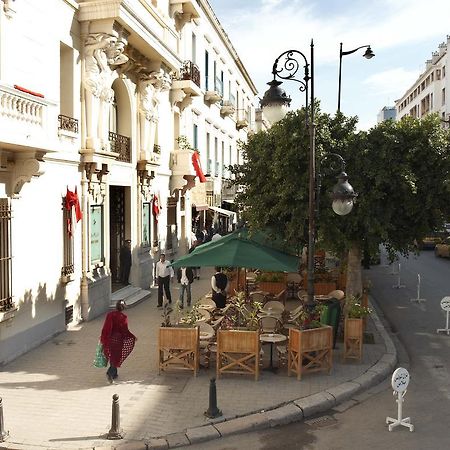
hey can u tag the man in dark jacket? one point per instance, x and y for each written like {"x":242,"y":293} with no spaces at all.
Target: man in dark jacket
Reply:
{"x":185,"y":276}
{"x":219,"y":283}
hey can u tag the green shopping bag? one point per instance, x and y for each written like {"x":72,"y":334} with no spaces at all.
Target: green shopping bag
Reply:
{"x":100,"y":359}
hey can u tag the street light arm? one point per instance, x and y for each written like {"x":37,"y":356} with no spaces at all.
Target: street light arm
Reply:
{"x":288,"y":68}
{"x":342,"y":53}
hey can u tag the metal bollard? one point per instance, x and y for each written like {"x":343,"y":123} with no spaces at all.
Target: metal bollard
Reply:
{"x":115,"y":432}
{"x":3,"y":434}
{"x":213,"y":411}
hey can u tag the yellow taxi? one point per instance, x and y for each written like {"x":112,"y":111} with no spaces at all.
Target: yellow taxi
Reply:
{"x":442,"y":249}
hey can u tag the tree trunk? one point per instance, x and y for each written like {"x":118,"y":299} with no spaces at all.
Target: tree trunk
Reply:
{"x":354,"y":273}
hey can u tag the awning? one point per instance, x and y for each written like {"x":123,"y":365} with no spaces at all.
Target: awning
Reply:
{"x":224,"y":212}
{"x":198,"y":196}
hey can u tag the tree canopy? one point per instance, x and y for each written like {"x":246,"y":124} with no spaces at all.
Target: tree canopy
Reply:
{"x":400,"y":171}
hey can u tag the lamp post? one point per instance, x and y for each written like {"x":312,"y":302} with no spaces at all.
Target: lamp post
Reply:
{"x":275,"y":104}
{"x":368,"y":54}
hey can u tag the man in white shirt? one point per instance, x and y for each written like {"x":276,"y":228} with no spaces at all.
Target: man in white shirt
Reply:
{"x":185,"y":276}
{"x":164,"y":273}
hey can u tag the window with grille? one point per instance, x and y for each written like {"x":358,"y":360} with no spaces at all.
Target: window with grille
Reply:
{"x":68,"y":262}
{"x":6,"y":302}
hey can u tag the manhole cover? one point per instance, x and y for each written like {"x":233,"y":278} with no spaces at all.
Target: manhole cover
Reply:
{"x":320,"y":422}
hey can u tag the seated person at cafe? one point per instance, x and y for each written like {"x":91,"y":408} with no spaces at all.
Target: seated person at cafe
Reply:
{"x":219,"y":283}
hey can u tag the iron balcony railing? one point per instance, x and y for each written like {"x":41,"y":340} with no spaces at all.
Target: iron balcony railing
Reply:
{"x":218,"y":86}
{"x":121,"y":145}
{"x":157,"y":149}
{"x":190,"y":71}
{"x":67,"y":123}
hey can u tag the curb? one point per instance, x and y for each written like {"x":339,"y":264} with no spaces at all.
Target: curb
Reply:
{"x":293,"y":411}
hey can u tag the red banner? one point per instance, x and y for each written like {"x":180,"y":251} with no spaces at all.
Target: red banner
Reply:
{"x":198,"y":167}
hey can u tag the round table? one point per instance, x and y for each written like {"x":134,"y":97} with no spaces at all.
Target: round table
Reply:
{"x":272,"y":338}
{"x":206,"y":336}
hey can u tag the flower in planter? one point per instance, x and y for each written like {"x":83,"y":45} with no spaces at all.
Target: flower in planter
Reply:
{"x":310,"y":318}
{"x":355,"y":310}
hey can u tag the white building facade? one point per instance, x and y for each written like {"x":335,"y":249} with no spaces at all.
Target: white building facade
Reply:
{"x":430,"y":93}
{"x":102,"y":104}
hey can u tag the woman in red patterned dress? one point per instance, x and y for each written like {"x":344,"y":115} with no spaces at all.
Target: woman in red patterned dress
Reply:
{"x":118,"y":341}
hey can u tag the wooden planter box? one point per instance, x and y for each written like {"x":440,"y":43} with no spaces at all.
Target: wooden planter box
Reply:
{"x":273,"y":287}
{"x":322,"y":287}
{"x":179,"y":349}
{"x":353,"y":338}
{"x":238,"y":352}
{"x":310,"y":350}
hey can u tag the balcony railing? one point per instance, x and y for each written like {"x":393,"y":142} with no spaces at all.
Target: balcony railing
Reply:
{"x":157,"y":149}
{"x":121,"y":145}
{"x":190,"y":71}
{"x":67,"y":123}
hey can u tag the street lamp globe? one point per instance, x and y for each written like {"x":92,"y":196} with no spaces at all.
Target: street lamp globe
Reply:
{"x":369,"y":54}
{"x":343,"y":196}
{"x":275,"y":102}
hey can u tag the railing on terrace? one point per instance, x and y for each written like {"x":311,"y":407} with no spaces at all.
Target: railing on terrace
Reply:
{"x":121,"y":145}
{"x":190,"y":71}
{"x":67,"y":123}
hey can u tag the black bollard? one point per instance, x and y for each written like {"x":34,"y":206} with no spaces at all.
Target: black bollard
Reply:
{"x":115,"y":432}
{"x":3,"y":434}
{"x":213,"y":411}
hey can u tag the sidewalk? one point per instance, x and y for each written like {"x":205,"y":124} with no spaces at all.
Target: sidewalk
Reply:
{"x":53,"y":398}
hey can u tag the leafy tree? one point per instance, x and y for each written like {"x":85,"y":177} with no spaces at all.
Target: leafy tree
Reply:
{"x":399,"y":169}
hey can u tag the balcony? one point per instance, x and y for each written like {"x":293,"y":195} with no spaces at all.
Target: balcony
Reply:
{"x":227,"y":108}
{"x":120,"y":145}
{"x":27,"y":120}
{"x":184,"y":11}
{"x":186,"y":85}
{"x":183,"y":172}
{"x":212,"y":97}
{"x":241,"y":123}
{"x":66,"y":123}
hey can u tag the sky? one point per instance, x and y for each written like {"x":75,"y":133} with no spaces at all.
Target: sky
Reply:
{"x":402,"y":34}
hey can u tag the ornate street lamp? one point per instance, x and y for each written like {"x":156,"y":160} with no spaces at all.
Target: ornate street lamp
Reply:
{"x":368,"y":54}
{"x":275,"y":104}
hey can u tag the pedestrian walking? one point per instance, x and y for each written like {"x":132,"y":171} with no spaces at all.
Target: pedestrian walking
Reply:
{"x":219,"y":283}
{"x":185,"y":276}
{"x":125,"y":262}
{"x":164,"y":273}
{"x":117,"y":340}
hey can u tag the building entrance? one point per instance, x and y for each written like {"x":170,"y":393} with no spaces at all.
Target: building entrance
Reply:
{"x":116,"y":232}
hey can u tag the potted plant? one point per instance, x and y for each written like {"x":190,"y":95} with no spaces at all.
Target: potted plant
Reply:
{"x":272,"y":282}
{"x":238,"y":339}
{"x":310,"y":344}
{"x":179,"y":346}
{"x":354,"y":327}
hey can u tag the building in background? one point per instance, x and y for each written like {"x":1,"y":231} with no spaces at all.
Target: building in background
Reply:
{"x":100,"y":120}
{"x":386,"y":113}
{"x":429,"y":94}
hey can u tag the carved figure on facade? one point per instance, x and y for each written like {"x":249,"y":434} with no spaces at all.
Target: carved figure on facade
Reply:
{"x":102,"y":54}
{"x":149,"y":87}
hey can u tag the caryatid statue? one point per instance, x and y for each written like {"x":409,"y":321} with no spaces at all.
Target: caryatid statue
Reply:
{"x":102,"y":54}
{"x":149,"y":87}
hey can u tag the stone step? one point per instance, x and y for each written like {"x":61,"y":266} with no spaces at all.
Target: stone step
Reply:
{"x":131,"y":295}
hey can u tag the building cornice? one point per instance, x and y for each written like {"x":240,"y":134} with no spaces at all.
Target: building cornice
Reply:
{"x":227,"y":42}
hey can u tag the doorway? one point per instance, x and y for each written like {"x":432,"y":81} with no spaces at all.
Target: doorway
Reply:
{"x":116,"y":232}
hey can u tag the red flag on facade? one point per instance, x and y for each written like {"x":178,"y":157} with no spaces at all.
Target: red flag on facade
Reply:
{"x":155,"y":207}
{"x":198,"y":167}
{"x":72,"y":204}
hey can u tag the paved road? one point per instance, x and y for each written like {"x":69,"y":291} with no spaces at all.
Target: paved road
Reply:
{"x":360,"y":423}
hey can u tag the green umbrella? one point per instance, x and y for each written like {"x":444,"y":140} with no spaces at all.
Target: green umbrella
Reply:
{"x":238,"y":249}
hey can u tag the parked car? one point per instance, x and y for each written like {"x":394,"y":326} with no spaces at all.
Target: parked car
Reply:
{"x":430,"y":241}
{"x":443,"y":248}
